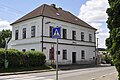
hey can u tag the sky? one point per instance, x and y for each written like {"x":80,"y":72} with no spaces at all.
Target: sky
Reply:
{"x":91,"y":11}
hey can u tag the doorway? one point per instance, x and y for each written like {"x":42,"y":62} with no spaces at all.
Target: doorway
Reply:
{"x":73,"y":57}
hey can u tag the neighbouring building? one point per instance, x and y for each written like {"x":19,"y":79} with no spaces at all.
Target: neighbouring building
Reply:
{"x":34,"y":30}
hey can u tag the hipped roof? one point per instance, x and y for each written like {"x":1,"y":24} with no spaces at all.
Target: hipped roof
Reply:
{"x":51,"y":11}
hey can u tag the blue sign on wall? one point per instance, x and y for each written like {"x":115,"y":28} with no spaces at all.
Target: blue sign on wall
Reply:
{"x":56,"y":32}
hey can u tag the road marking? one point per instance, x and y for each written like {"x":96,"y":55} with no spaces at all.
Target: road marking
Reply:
{"x":93,"y":78}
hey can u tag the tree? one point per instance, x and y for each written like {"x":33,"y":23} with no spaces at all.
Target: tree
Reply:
{"x":4,"y":34}
{"x":113,"y":23}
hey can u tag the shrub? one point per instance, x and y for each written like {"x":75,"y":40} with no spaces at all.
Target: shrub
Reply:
{"x":34,"y":58}
{"x":2,"y":58}
{"x":22,"y":59}
{"x":14,"y":57}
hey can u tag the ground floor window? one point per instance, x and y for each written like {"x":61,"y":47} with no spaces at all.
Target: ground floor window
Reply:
{"x":32,"y":49}
{"x":51,"y":54}
{"x":23,"y":50}
{"x":82,"y":54}
{"x":65,"y":54}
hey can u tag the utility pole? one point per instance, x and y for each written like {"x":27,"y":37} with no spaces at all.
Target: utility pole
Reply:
{"x":97,"y":50}
{"x":57,"y":61}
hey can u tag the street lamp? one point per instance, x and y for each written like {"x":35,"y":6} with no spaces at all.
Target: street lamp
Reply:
{"x":96,"y":48}
{"x":6,"y":46}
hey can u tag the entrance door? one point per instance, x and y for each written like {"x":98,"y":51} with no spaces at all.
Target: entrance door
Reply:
{"x":73,"y":57}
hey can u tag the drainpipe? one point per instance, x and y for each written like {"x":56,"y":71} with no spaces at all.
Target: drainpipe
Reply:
{"x":42,"y":31}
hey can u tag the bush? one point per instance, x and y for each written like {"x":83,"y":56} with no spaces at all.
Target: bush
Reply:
{"x":22,"y":59}
{"x":34,"y":58}
{"x":14,"y":57}
{"x":2,"y":54}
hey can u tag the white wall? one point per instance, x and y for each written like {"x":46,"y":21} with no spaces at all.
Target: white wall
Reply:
{"x":28,"y":41}
{"x":35,"y":43}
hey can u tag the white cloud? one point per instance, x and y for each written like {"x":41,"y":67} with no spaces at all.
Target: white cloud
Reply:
{"x":94,"y":13}
{"x":5,"y":25}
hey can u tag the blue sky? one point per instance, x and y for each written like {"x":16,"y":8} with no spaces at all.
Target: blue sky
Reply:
{"x":91,"y":11}
{"x":11,"y":10}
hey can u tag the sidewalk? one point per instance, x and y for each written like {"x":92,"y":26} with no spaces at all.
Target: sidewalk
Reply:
{"x":25,"y":72}
{"x":61,"y":67}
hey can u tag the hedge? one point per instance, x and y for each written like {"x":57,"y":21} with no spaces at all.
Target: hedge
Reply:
{"x":22,"y":59}
{"x":1,"y":57}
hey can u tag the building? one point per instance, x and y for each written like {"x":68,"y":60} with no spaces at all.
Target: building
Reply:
{"x":33,"y":32}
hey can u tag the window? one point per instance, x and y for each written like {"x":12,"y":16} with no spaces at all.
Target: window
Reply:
{"x":74,"y":35}
{"x":65,"y":54}
{"x":24,"y":33}
{"x":32,"y":49}
{"x":82,"y":54}
{"x":64,"y":34}
{"x":23,"y":50}
{"x":33,"y":31}
{"x":50,"y":34}
{"x":16,"y":34}
{"x":51,"y":54}
{"x":90,"y":37}
{"x":58,"y":52}
{"x":82,"y":36}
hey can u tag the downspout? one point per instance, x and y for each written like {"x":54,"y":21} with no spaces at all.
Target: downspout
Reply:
{"x":42,"y":31}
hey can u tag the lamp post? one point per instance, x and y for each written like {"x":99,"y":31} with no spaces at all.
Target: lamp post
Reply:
{"x":96,"y":48}
{"x":6,"y":46}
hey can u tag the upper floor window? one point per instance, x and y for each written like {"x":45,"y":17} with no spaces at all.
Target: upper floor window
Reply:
{"x":74,"y":35}
{"x":90,"y":37}
{"x":82,"y":54}
{"x":65,"y":54}
{"x":64,"y":34}
{"x":50,"y":29}
{"x":33,"y":31}
{"x":32,"y":49}
{"x":24,"y":33}
{"x":16,"y":34}
{"x":82,"y":36}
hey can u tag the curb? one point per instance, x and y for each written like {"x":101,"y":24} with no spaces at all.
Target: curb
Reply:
{"x":25,"y":72}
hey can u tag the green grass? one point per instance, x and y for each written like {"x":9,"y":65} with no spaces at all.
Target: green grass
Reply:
{"x":44,"y":67}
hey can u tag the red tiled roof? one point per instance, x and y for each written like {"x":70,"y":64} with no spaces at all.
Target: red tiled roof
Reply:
{"x":55,"y":13}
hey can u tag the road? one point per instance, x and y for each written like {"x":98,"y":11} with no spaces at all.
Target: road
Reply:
{"x":97,"y":73}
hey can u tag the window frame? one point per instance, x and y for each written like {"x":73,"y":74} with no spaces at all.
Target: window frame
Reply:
{"x":24,"y":33}
{"x":33,"y":31}
{"x":50,"y":31}
{"x":64,"y":33}
{"x":90,"y":37}
{"x":82,"y":36}
{"x":82,"y":54}
{"x":64,"y":54}
{"x":73,"y":35}
{"x":16,"y":34}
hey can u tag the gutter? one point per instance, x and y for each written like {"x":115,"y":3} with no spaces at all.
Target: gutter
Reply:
{"x":42,"y":32}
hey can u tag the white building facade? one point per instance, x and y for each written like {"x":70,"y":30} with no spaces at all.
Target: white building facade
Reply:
{"x":76,"y":45}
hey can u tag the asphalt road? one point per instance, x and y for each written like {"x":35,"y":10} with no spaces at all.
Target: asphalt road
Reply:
{"x":97,"y":73}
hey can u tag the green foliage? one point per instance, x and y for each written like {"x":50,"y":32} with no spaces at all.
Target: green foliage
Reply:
{"x":22,"y":59}
{"x":34,"y":58}
{"x":4,"y":34}
{"x":14,"y":57}
{"x":106,"y":57}
{"x":113,"y":23}
{"x":2,"y":57}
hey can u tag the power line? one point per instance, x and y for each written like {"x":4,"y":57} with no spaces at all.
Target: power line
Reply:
{"x":10,"y":8}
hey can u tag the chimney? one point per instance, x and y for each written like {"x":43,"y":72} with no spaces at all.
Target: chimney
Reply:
{"x":53,"y":5}
{"x":60,"y":8}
